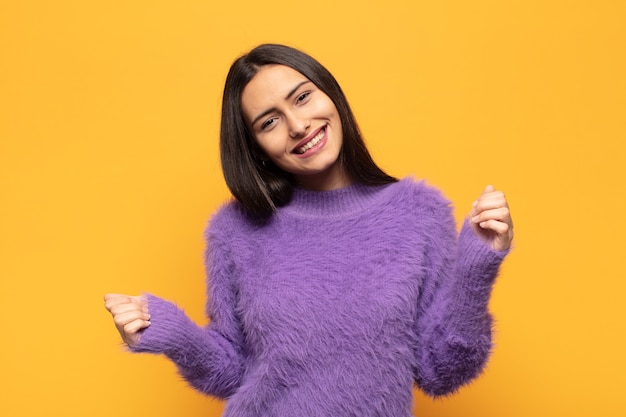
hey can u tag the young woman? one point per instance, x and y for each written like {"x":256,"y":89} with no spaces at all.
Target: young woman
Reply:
{"x":332,"y":287}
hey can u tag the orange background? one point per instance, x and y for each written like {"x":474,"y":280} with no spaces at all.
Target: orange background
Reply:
{"x":109,"y":171}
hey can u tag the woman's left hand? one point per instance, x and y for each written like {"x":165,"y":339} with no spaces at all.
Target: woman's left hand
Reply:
{"x":490,"y":219}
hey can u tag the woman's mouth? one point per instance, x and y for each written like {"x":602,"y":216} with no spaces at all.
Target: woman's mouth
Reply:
{"x":314,"y":141}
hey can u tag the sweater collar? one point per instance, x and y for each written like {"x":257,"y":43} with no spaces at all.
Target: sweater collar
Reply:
{"x":337,"y":203}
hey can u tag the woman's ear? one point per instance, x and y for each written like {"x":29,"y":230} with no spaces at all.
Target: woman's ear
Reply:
{"x":259,"y":154}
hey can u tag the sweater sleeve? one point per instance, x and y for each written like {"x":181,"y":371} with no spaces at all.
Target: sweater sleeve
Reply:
{"x":210,"y":358}
{"x":454,"y":324}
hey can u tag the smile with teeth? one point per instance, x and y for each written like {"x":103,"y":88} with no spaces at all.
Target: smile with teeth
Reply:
{"x":316,"y":139}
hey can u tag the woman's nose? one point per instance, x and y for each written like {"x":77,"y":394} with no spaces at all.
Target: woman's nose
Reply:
{"x":298,"y":126}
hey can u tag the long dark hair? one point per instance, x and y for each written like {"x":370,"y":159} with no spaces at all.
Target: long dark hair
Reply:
{"x":259,"y":185}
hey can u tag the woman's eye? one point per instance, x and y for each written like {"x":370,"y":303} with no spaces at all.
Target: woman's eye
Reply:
{"x":303,"y":97}
{"x":267,"y":123}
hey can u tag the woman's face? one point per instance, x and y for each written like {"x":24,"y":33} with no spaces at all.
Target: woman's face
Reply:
{"x":296,"y":125}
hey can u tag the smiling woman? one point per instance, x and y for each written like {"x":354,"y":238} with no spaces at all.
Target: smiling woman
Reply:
{"x":263,"y":187}
{"x":332,"y":287}
{"x":297,"y":127}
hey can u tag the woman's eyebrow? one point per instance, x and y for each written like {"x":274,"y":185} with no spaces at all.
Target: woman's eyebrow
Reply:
{"x":291,"y":93}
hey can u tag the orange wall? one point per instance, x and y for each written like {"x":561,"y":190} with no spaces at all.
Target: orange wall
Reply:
{"x":109,"y":170}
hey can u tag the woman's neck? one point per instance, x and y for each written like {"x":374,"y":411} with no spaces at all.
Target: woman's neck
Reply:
{"x":331,"y":179}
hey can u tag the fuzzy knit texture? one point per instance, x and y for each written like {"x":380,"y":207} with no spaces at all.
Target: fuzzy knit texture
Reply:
{"x":337,"y":306}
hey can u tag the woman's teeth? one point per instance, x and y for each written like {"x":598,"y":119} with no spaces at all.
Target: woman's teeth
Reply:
{"x":311,"y":143}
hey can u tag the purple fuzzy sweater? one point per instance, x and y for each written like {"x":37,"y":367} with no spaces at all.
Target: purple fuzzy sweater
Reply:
{"x":336,"y":306}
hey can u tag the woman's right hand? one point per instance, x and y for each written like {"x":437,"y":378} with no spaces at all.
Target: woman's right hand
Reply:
{"x":130,"y":314}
